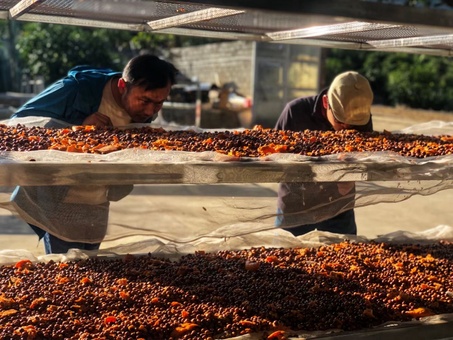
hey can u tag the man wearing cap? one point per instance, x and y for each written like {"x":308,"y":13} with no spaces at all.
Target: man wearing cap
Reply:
{"x":326,"y":206}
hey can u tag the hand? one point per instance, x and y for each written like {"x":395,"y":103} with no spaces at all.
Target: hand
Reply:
{"x":98,"y":119}
{"x":345,"y":187}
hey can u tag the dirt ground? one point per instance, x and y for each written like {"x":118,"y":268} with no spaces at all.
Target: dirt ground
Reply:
{"x":396,"y":118}
{"x":414,"y":214}
{"x":409,"y":114}
{"x":418,"y":212}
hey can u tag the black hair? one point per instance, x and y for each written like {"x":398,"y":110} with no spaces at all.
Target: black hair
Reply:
{"x":150,"y":72}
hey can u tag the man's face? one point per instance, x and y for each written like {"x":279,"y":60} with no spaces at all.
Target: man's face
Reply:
{"x":336,"y":124}
{"x":141,"y":104}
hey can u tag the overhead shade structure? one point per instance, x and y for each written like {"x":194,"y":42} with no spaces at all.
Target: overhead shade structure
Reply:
{"x":348,"y":24}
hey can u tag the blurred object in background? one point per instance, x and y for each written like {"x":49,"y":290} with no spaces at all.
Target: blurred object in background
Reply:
{"x":10,"y":101}
{"x":6,"y":111}
{"x":221,"y":106}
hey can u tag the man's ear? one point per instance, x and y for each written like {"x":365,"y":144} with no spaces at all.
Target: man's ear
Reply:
{"x":121,"y":85}
{"x":325,"y":101}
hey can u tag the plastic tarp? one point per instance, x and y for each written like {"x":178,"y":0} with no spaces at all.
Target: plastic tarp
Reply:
{"x":202,"y":197}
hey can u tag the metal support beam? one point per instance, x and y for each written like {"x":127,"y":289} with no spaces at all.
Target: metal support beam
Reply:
{"x":415,"y":41}
{"x":319,"y":31}
{"x":345,"y":9}
{"x":23,"y":6}
{"x":192,"y":17}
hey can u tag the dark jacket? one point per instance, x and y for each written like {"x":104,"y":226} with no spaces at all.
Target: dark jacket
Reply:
{"x":307,"y":113}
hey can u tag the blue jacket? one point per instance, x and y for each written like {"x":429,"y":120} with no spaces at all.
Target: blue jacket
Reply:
{"x":72,"y":98}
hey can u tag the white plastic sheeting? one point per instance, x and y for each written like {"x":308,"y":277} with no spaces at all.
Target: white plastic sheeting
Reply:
{"x":183,"y":197}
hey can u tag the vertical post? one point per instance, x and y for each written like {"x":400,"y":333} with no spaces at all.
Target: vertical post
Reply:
{"x":198,"y":106}
{"x":13,"y":57}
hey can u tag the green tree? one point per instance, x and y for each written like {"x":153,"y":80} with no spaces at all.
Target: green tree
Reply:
{"x":338,"y":61}
{"x":3,"y":54}
{"x":161,"y":43}
{"x":415,"y":80}
{"x":420,"y":81}
{"x":51,"y":50}
{"x":9,"y":77}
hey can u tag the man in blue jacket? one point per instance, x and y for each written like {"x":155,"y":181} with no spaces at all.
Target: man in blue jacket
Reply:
{"x":94,"y":96}
{"x":328,"y":206}
{"x":77,"y":216}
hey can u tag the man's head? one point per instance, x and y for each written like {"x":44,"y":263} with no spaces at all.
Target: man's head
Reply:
{"x":145,"y":85}
{"x":349,"y":100}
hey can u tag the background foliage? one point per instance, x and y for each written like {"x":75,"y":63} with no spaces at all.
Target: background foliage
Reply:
{"x":417,"y":81}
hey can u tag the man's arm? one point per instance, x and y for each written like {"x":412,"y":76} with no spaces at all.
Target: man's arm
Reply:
{"x":98,"y":119}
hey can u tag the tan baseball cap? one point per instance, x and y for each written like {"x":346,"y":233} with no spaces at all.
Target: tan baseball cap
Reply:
{"x":350,"y":98}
